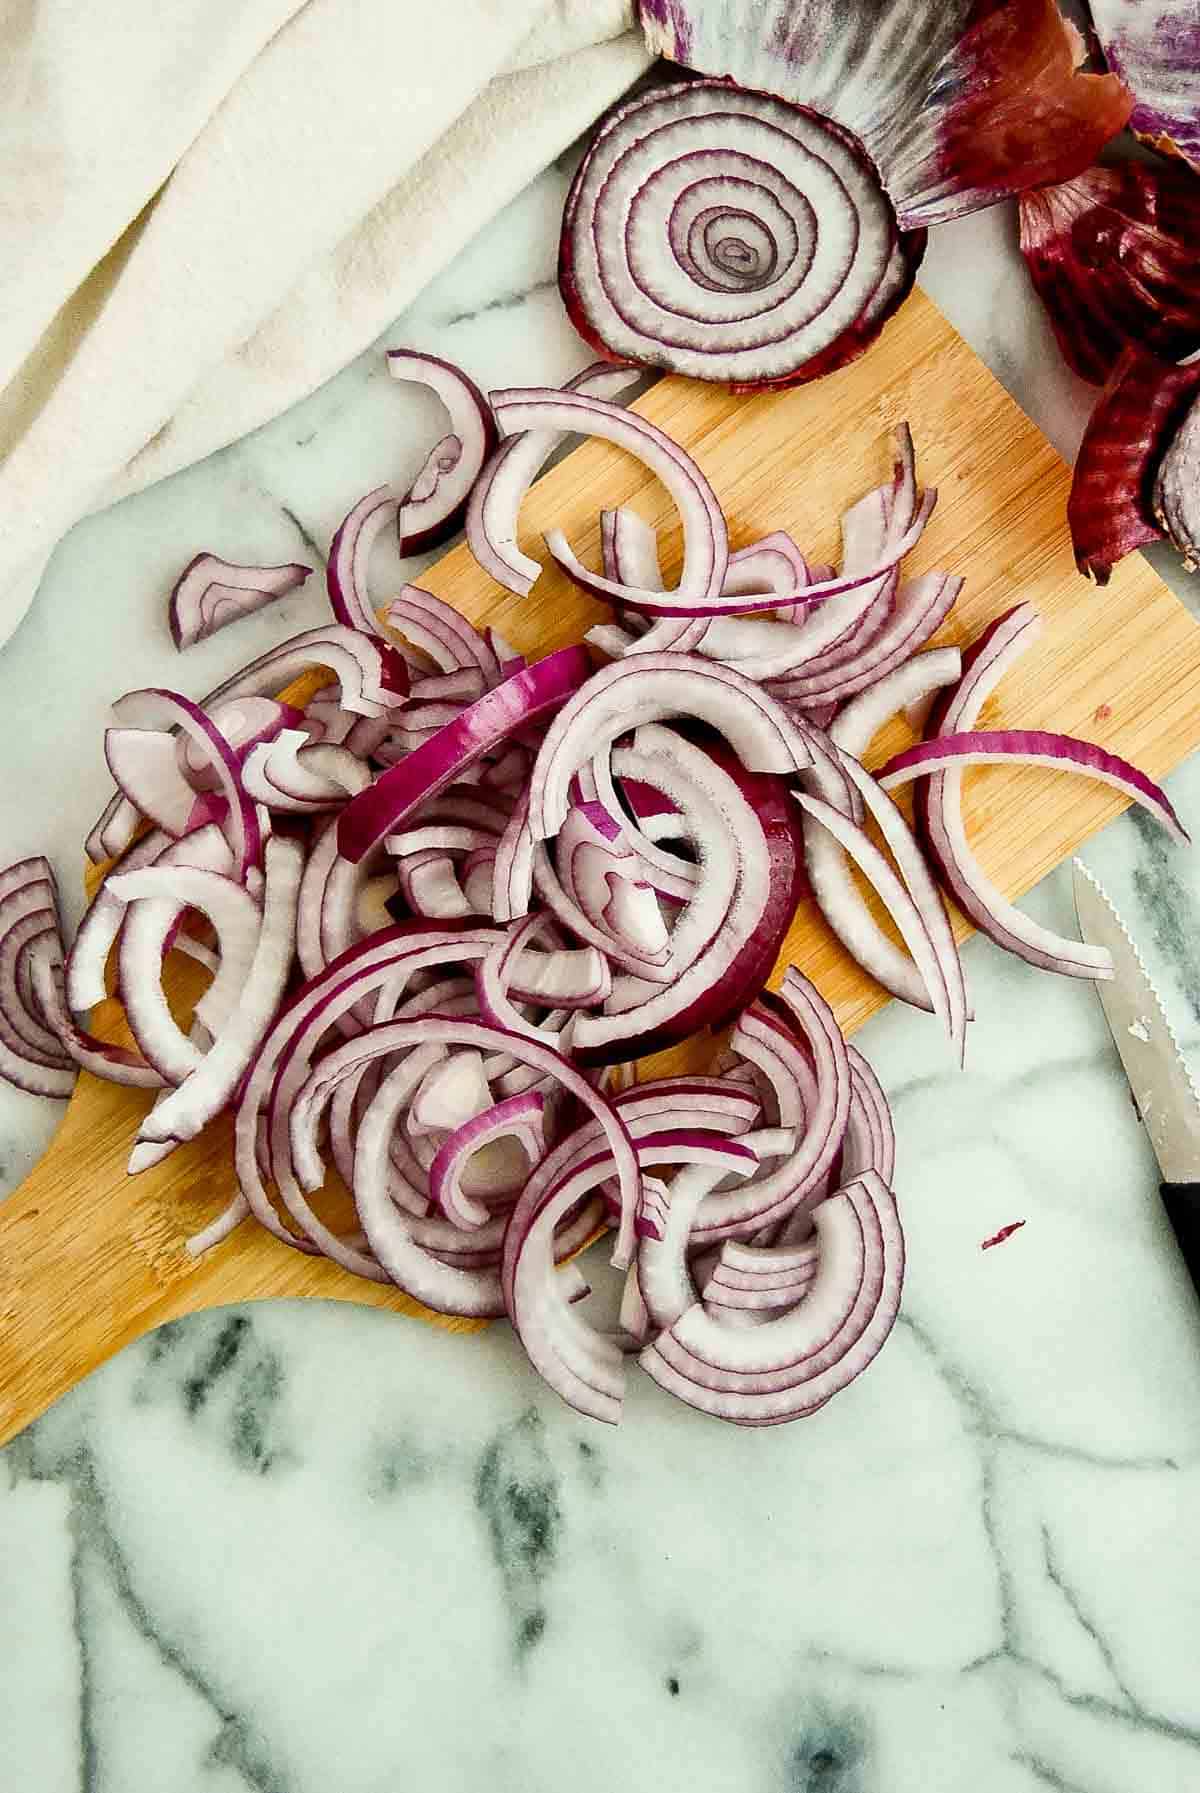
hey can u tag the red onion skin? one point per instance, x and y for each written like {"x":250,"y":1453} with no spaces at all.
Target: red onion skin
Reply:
{"x":1111,"y":507}
{"x":1113,"y":257}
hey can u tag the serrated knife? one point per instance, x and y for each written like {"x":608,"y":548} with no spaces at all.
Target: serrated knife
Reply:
{"x":1161,"y":1084}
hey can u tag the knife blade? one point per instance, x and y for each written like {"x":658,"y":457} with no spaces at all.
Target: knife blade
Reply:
{"x":1162,"y":1086}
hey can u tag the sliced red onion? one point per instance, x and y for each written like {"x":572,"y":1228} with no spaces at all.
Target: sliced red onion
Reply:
{"x":920,"y":609}
{"x":435,"y":504}
{"x":1110,"y":509}
{"x":816,"y":1098}
{"x":519,"y":1117}
{"x":113,"y":829}
{"x":144,"y":763}
{"x":157,"y":895}
{"x":853,"y":932}
{"x":32,"y":1056}
{"x":957,"y":105}
{"x":537,"y":691}
{"x":705,"y":539}
{"x":495,"y":502}
{"x":184,"y":1111}
{"x":371,"y":673}
{"x":766,"y":1374}
{"x":828,"y":866}
{"x":438,"y":630}
{"x":723,"y":234}
{"x":246,"y":723}
{"x":1035,"y":747}
{"x":1112,"y":255}
{"x":349,"y":558}
{"x":210,"y":593}
{"x":654,"y":688}
{"x":293,"y":775}
{"x":942,"y":829}
{"x":602,"y":874}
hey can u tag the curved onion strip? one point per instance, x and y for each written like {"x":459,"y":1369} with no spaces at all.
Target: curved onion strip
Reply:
{"x":157,"y":709}
{"x":791,"y":1365}
{"x":349,"y":557}
{"x":439,"y":631}
{"x":941,"y":826}
{"x":371,"y":674}
{"x":815,"y":1097}
{"x":654,"y":688}
{"x":706,"y":543}
{"x":434,"y":506}
{"x":157,"y":895}
{"x":1034,"y":747}
{"x":182,"y":1112}
{"x":495,"y":502}
{"x":211,"y":593}
{"x":518,"y":1117}
{"x":528,"y":695}
{"x":829,"y":873}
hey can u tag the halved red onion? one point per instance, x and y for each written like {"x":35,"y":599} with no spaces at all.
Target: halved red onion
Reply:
{"x":496,"y":499}
{"x":1112,"y":255}
{"x":723,"y":234}
{"x":1176,"y":497}
{"x":435,"y":504}
{"x":211,"y":593}
{"x":942,"y":829}
{"x":535,"y":692}
{"x":1035,"y":747}
{"x":371,"y":673}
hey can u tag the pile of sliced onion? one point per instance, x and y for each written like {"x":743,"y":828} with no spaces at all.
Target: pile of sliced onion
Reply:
{"x":441,"y":910}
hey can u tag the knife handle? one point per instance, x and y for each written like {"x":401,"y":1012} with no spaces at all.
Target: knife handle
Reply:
{"x":1182,"y":1202}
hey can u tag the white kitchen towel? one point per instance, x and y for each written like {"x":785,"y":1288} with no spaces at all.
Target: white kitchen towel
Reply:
{"x":209,"y":206}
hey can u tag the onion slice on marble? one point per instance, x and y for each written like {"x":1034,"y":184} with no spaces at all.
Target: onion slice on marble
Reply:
{"x":211,"y":593}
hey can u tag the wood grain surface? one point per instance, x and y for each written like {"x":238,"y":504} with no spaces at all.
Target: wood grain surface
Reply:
{"x":91,"y":1258}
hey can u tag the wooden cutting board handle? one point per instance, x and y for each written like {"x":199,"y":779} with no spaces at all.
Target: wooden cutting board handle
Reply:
{"x":92,"y":1258}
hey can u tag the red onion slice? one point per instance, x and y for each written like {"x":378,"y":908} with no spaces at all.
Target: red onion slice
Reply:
{"x":1034,"y":747}
{"x":655,"y":688}
{"x":705,"y":539}
{"x":158,"y":709}
{"x":449,"y":640}
{"x":371,"y":673}
{"x":518,"y":1117}
{"x":156,"y":896}
{"x":435,"y":504}
{"x":942,"y":829}
{"x":723,"y":234}
{"x":530,"y":694}
{"x":181,"y":1113}
{"x":349,"y":558}
{"x":211,"y":593}
{"x":791,"y":1365}
{"x":495,"y":501}
{"x":827,"y":863}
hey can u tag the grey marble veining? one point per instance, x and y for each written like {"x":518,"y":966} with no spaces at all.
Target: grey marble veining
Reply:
{"x":301,"y":1547}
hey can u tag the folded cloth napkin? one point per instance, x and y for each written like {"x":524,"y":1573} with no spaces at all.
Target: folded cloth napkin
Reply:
{"x":209,"y":207}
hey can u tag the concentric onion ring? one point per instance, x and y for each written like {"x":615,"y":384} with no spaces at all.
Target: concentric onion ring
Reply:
{"x":728,"y":235}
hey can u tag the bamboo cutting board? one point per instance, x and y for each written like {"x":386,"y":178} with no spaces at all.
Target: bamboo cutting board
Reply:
{"x":90,"y":1259}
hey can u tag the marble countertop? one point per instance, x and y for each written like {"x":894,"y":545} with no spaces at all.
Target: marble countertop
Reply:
{"x":293,"y":1548}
